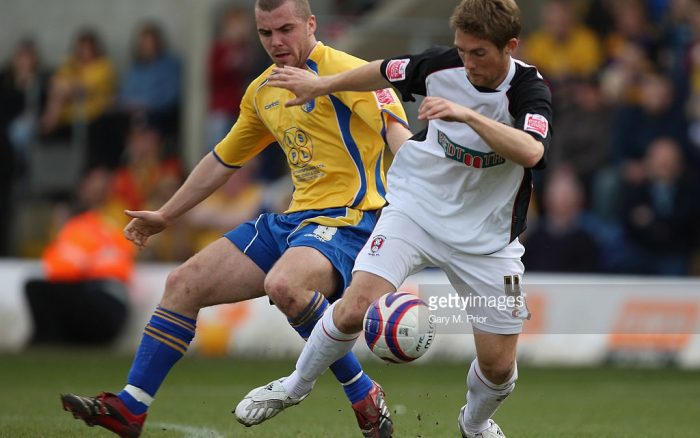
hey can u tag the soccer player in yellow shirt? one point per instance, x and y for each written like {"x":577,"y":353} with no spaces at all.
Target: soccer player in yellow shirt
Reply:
{"x":301,"y":259}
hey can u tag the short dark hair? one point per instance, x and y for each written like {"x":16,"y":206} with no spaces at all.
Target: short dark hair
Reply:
{"x":495,"y":20}
{"x":155,"y":31}
{"x":302,"y":7}
{"x":90,"y":36}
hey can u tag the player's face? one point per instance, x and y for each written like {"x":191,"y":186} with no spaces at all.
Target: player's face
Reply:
{"x":486,"y":65}
{"x":287,"y":38}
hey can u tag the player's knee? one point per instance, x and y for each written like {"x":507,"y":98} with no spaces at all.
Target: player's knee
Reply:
{"x":181,"y":289}
{"x":350,"y":312}
{"x":497,"y":370}
{"x":280,"y":290}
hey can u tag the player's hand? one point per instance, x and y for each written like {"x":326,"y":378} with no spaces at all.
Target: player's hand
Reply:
{"x":143,"y":225}
{"x":304,"y":84}
{"x":438,"y":108}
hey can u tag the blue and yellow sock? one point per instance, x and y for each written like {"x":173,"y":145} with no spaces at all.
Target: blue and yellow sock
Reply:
{"x":165,"y":340}
{"x":347,"y":369}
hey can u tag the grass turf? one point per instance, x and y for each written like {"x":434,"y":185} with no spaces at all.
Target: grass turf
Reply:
{"x":198,"y":396}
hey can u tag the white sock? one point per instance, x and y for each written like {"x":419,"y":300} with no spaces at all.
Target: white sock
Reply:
{"x":484,"y":398}
{"x":139,"y":394}
{"x":296,"y":386}
{"x":325,"y":345}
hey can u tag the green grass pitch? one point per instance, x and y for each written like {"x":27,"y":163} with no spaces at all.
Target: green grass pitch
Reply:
{"x":198,"y":396}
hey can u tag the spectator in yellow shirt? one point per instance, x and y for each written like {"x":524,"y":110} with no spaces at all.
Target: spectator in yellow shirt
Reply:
{"x":562,"y":47}
{"x":81,"y":92}
{"x":83,"y":86}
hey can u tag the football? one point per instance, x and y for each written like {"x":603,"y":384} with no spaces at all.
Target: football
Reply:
{"x":398,"y":327}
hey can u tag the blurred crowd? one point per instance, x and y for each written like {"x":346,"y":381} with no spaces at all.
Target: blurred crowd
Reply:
{"x":619,"y":194}
{"x":126,"y":130}
{"x":621,"y":188}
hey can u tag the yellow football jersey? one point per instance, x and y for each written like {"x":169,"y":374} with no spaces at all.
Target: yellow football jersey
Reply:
{"x":334,"y":144}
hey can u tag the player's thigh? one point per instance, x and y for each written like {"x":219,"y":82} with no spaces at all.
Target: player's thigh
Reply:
{"x":339,"y":245}
{"x":396,"y":248}
{"x":218,"y":274}
{"x":491,"y":286}
{"x":302,"y":268}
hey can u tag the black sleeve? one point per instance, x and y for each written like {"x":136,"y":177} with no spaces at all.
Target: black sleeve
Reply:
{"x":408,"y":73}
{"x":530,"y":104}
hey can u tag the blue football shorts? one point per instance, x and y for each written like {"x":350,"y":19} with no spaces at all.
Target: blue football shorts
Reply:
{"x":265,"y":239}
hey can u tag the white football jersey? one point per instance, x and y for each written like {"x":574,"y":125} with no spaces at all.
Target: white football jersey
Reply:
{"x":447,"y":178}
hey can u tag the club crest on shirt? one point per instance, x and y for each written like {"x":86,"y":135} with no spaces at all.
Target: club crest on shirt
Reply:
{"x":377,"y":243}
{"x":537,"y":123}
{"x":309,"y":106}
{"x":396,"y":69}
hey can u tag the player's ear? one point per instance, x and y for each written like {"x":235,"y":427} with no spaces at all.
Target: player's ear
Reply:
{"x":511,"y":45}
{"x":312,"y":24}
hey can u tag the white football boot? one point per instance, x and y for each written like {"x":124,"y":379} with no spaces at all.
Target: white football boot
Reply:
{"x":493,"y":431}
{"x":264,"y":402}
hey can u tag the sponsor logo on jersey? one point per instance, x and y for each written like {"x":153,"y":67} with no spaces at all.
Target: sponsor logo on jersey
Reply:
{"x":469,"y":157}
{"x":384,"y":97}
{"x":298,"y":146}
{"x":323,"y":233}
{"x":537,"y":123}
{"x":396,"y":69}
{"x":272,"y":105}
{"x":377,"y":243}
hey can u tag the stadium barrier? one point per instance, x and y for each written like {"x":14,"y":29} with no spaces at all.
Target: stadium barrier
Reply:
{"x":576,"y":319}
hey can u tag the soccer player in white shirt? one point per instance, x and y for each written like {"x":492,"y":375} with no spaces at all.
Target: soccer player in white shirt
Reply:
{"x":458,"y":194}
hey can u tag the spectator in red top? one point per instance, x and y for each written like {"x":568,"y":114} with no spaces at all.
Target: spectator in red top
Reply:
{"x":145,"y":175}
{"x":233,"y":61}
{"x":146,"y":180}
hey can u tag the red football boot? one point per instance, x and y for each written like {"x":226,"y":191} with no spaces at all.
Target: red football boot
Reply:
{"x":105,"y":410}
{"x":373,"y":414}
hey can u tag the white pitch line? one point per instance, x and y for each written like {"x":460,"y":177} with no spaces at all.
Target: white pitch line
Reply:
{"x":42,"y":418}
{"x":189,"y":431}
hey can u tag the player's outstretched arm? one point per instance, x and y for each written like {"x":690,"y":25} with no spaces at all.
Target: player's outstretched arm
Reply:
{"x":306,"y":86}
{"x":205,"y":178}
{"x":512,"y":144}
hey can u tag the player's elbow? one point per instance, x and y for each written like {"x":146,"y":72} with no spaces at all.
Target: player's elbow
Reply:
{"x":533,"y":155}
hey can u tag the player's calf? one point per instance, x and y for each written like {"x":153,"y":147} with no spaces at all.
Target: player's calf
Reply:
{"x":349,"y":313}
